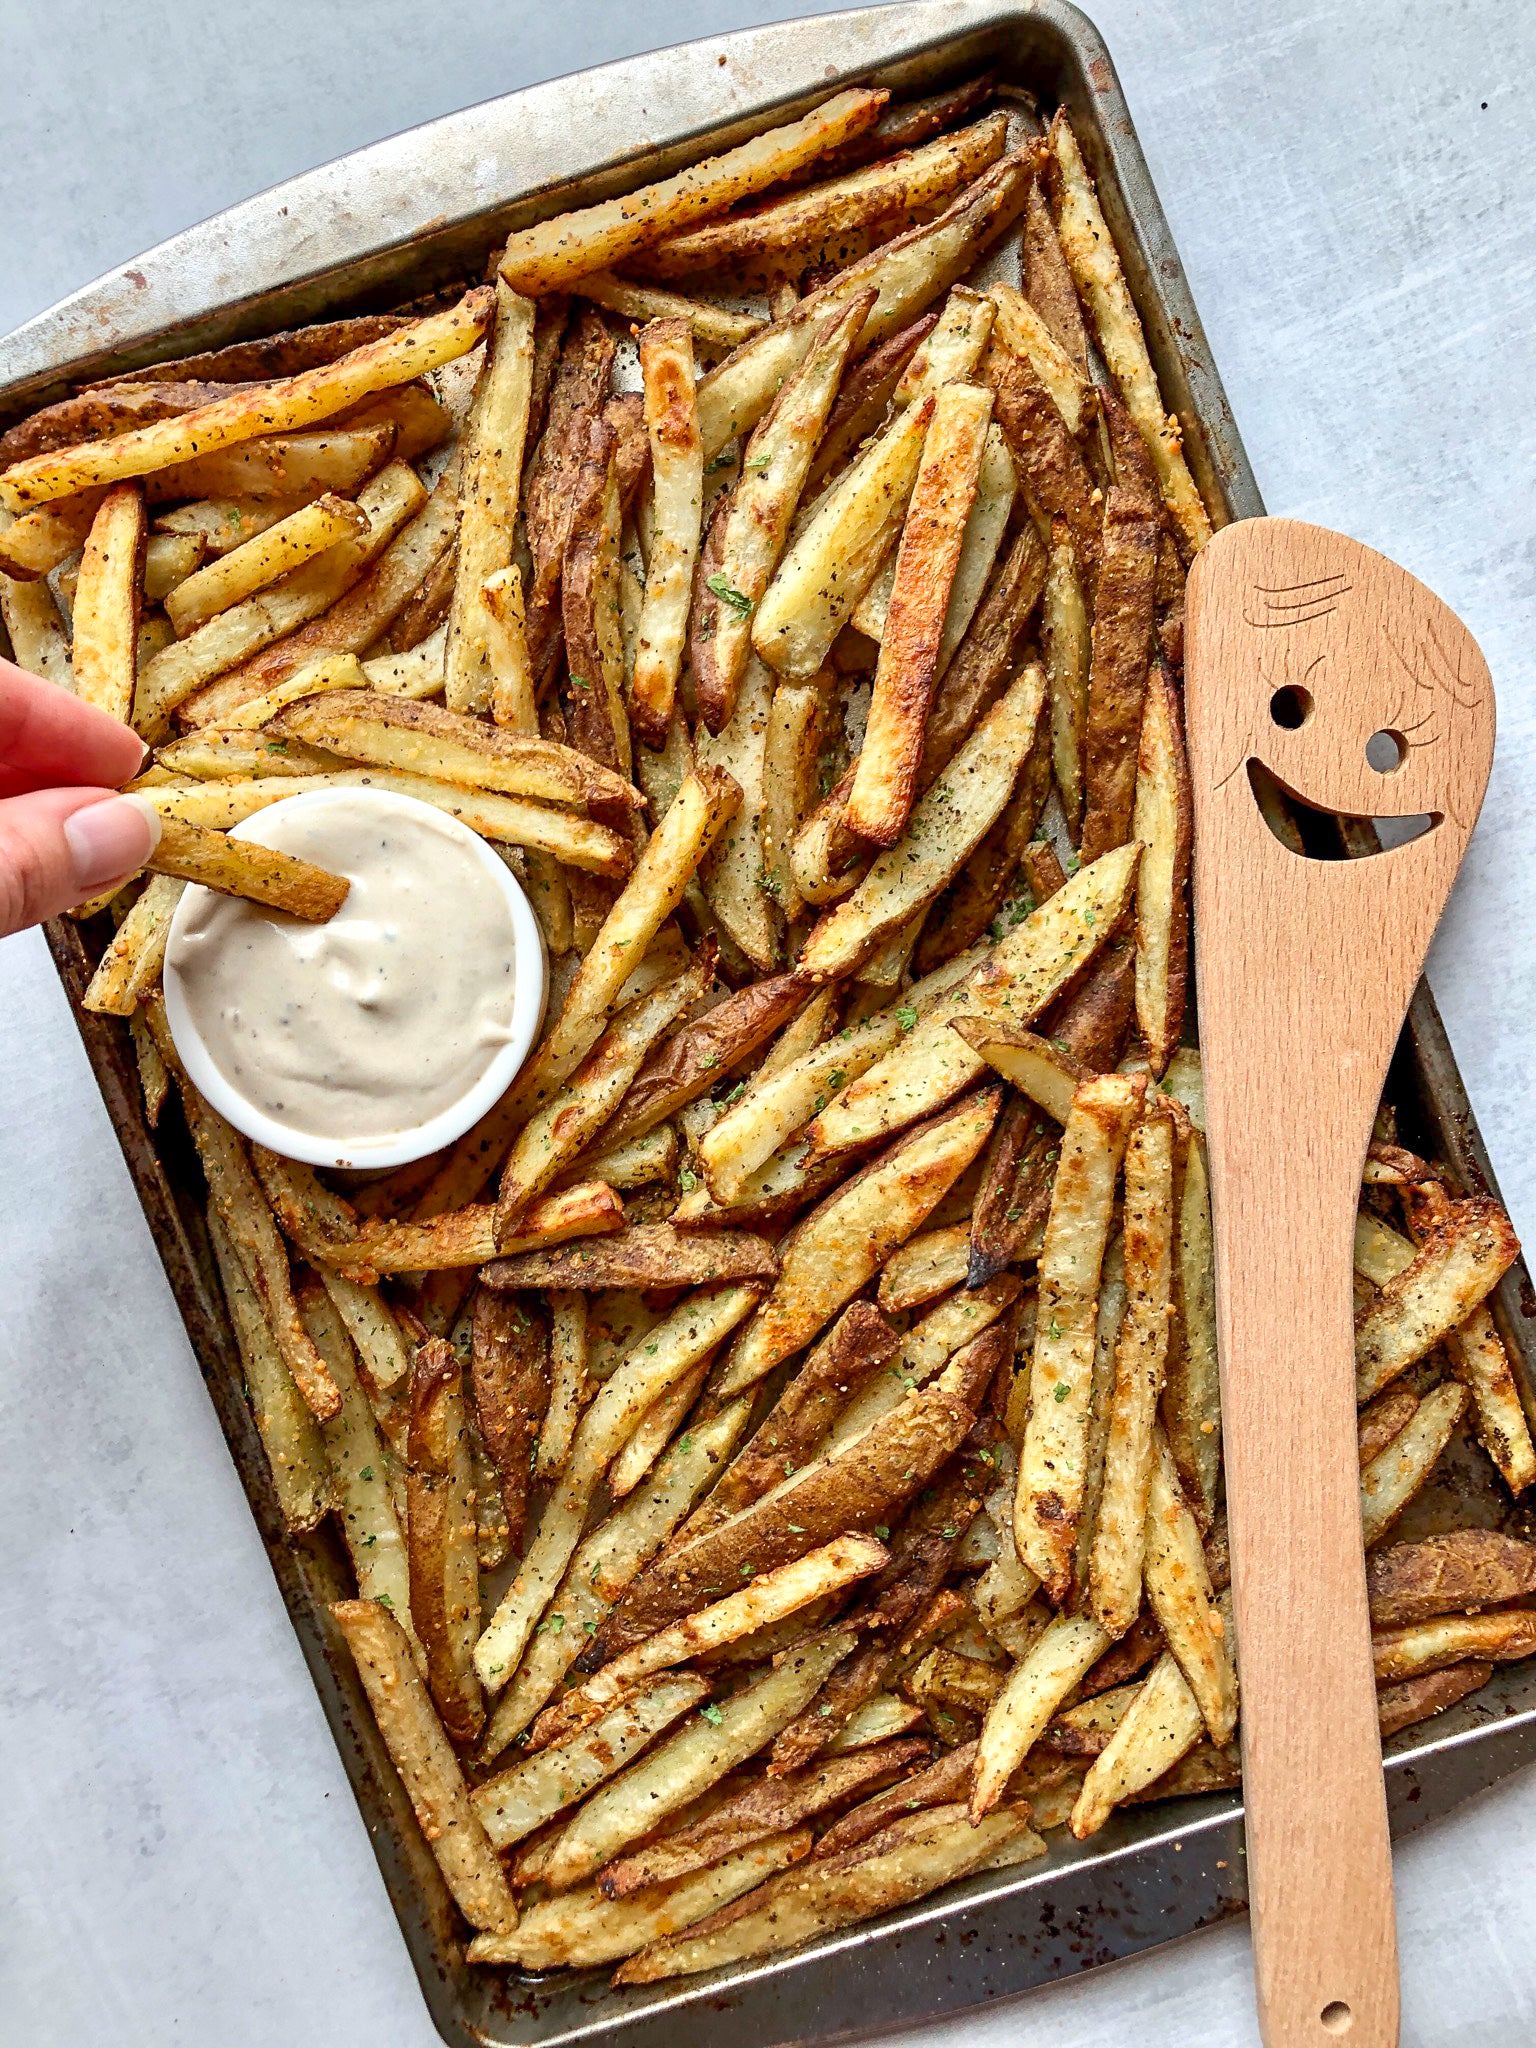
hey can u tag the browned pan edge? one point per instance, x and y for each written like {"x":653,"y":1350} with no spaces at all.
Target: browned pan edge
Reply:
{"x":1154,"y":1873}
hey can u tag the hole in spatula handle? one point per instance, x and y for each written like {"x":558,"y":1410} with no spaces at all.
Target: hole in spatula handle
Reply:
{"x":1337,"y":2017}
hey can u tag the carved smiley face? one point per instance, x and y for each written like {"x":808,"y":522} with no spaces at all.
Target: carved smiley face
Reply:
{"x":1355,"y":703}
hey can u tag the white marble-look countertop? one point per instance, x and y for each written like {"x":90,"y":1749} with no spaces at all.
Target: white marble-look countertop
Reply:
{"x":180,"y":1856}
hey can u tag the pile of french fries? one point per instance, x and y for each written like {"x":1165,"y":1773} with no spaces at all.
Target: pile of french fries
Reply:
{"x":780,"y":1446}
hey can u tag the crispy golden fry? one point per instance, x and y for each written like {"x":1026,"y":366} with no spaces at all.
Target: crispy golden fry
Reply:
{"x":590,"y":607}
{"x":703,"y":1053}
{"x":290,"y":1436}
{"x":1433,"y":1645}
{"x":1013,"y":984}
{"x":909,"y":273}
{"x":844,"y":1243}
{"x":281,"y":470}
{"x":1117,"y":676}
{"x":906,"y":1861}
{"x":366,"y":612}
{"x":570,"y":1384}
{"x":467,"y":1237}
{"x":1025,"y":332}
{"x":851,"y":1489}
{"x":521,"y":1799}
{"x":677,"y":469}
{"x":732,"y":878}
{"x":882,"y":1719}
{"x":1140,"y":1357}
{"x":1416,"y":1699}
{"x":797,"y":717}
{"x":821,"y":224}
{"x":1450,"y":1574}
{"x":1395,"y":1474}
{"x":1385,"y":1418}
{"x":510,"y":1367}
{"x":864,"y":399}
{"x":607,"y":1560}
{"x":1095,"y":264}
{"x":262,"y":559}
{"x":314,"y":679}
{"x":129,"y":969}
{"x":1049,"y":1506}
{"x":1036,"y":1687}
{"x":107,"y":600}
{"x":689,"y":1762}
{"x":421,"y":1753}
{"x":643,"y":1255}
{"x":568,"y":1122}
{"x":230,"y":637}
{"x":716,"y":326}
{"x":556,"y":253}
{"x":673,"y":1349}
{"x":239,"y":867}
{"x":1162,"y":822}
{"x":39,"y":638}
{"x":837,"y":553}
{"x":775,"y":463}
{"x":941,"y":833}
{"x":1192,"y":1397}
{"x":1461,"y":1260}
{"x":1046,"y":1070}
{"x":927,"y":557}
{"x":583,"y":1926}
{"x":445,"y":1572}
{"x":954,"y":1323}
{"x":1179,"y":1591}
{"x":1066,"y":635}
{"x":426,"y":739}
{"x":1057,"y":481}
{"x":294,"y":403}
{"x":925,"y":1267}
{"x":1161,"y":1725}
{"x":217,"y":524}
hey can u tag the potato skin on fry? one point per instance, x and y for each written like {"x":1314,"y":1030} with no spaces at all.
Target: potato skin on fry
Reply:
{"x":1450,"y":1574}
{"x":510,"y":1374}
{"x":440,"y":1536}
{"x":1117,"y":676}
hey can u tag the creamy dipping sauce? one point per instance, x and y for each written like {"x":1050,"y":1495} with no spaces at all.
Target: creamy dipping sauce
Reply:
{"x":385,"y":1017}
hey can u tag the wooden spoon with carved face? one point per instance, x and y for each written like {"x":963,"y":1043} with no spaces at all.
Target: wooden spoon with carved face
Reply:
{"x":1325,"y":667}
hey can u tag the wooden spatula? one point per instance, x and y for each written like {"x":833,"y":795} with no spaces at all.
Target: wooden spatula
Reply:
{"x":1305,"y":649}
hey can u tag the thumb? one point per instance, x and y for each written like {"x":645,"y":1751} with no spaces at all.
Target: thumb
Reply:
{"x":60,"y":846}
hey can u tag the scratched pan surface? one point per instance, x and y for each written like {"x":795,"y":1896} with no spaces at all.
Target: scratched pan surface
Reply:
{"x":422,"y":211}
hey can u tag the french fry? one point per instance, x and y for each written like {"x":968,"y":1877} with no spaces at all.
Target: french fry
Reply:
{"x":716,"y":326}
{"x":521,"y":1799}
{"x":1026,"y":333}
{"x":822,"y":223}
{"x":495,"y":440}
{"x":1090,"y":252}
{"x":688,"y":1762}
{"x":445,"y":1572}
{"x":467,"y":1237}
{"x":576,"y":399}
{"x":1459,"y":1263}
{"x":606,"y":1562}
{"x":294,"y":403}
{"x":1117,"y":674}
{"x":1066,"y":635}
{"x":775,"y":464}
{"x":844,"y":1243}
{"x":732,"y":877}
{"x":863,"y":400}
{"x":703,"y":1053}
{"x":1161,"y":1725}
{"x":939,"y":1783}
{"x":1383,"y":1419}
{"x":1425,"y":1646}
{"x":363,"y":613}
{"x":1395,"y":1474}
{"x":983,"y":660}
{"x":909,"y":273}
{"x":216,"y":524}
{"x":1045,"y":1070}
{"x":927,"y":557}
{"x":262,"y":559}
{"x":570,"y":1386}
{"x":1415,"y":1699}
{"x":797,"y":716}
{"x":942,"y":832}
{"x":1054,"y":472}
{"x":510,"y":1374}
{"x":230,"y":637}
{"x":426,"y":739}
{"x":129,"y":969}
{"x":567,"y":1123}
{"x":910,"y":1859}
{"x":554,"y":254}
{"x":954,"y":1323}
{"x":241,"y":867}
{"x":421,"y":1753}
{"x":1140,"y":1358}
{"x":1036,"y":1687}
{"x":39,"y":638}
{"x":282,"y":470}
{"x":107,"y":601}
{"x":1450,"y":1574}
{"x":851,"y":1489}
{"x":327,"y":672}
{"x":642,"y":1255}
{"x":1161,"y":822}
{"x":1191,"y":1407}
{"x":589,"y":596}
{"x":1013,"y":984}
{"x":1049,"y":1505}
{"x":677,"y":469}
{"x":290,"y":1436}
{"x":925,"y":1267}
{"x":583,"y":1926}
{"x":372,"y":1327}
{"x":1179,"y":1592}
{"x":693,"y":1329}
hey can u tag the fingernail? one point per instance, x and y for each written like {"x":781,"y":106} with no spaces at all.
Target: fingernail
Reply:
{"x":111,"y":838}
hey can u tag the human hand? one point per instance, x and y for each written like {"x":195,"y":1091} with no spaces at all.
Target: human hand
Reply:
{"x":64,"y":835}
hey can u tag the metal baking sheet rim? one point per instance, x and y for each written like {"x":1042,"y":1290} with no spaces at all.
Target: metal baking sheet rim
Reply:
{"x":354,"y":233}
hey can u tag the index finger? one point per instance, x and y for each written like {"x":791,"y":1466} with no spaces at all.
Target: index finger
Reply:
{"x":52,"y":740}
